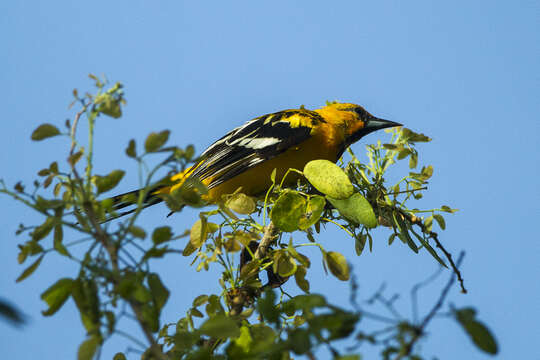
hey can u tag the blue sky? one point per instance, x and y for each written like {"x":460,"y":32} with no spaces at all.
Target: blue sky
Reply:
{"x":465,"y":73}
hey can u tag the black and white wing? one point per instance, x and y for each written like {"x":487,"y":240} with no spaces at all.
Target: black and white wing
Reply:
{"x":256,"y":141}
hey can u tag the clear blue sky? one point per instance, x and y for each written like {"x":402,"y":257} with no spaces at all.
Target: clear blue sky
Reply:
{"x":464,"y":72}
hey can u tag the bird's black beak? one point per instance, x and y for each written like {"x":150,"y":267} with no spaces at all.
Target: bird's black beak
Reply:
{"x":370,"y":125}
{"x":374,"y":124}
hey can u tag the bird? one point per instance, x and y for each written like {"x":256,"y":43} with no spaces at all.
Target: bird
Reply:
{"x":245,"y":158}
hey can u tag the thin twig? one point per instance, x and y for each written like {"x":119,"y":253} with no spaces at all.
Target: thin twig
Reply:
{"x":420,"y":328}
{"x":74,"y":129}
{"x":416,"y":220}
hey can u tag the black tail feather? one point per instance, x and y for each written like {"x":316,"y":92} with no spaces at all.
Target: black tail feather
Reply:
{"x":131,"y":198}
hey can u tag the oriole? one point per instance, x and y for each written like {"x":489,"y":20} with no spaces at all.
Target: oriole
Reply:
{"x":245,"y":157}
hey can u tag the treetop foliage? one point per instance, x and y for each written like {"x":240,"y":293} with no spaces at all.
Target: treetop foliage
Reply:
{"x":244,"y":236}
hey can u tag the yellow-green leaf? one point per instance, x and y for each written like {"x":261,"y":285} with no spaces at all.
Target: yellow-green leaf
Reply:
{"x":155,"y":141}
{"x":88,"y":348}
{"x":44,"y":229}
{"x":440,"y":221}
{"x":137,"y":231}
{"x":356,"y":209}
{"x":300,"y":277}
{"x":478,"y":332}
{"x":200,"y":300}
{"x":220,"y":327}
{"x":109,"y":105}
{"x":161,"y":234}
{"x":288,"y":210}
{"x":159,"y":292}
{"x":329,"y":179}
{"x":30,"y":270}
{"x":241,"y":203}
{"x":284,"y":264}
{"x":108,"y":182}
{"x":56,"y":295}
{"x":44,"y":131}
{"x":337,"y":264}
{"x":314,"y":210}
{"x":198,"y":233}
{"x":131,"y":150}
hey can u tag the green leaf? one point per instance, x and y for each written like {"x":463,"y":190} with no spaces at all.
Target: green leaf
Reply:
{"x":44,"y":229}
{"x":428,"y":223}
{"x":56,"y":295}
{"x":161,"y":234}
{"x":427,"y":172}
{"x":263,"y":338}
{"x":305,"y":302}
{"x":300,"y":278}
{"x":85,"y":294}
{"x":413,"y":161}
{"x":119,"y":356}
{"x":195,"y":312}
{"x":299,"y":341}
{"x":403,"y":232}
{"x":430,"y":249}
{"x":356,"y":209}
{"x":329,"y":179}
{"x":241,"y":203}
{"x":30,"y":270}
{"x":440,"y":221}
{"x":158,"y":290}
{"x":57,"y":243}
{"x":314,"y":210}
{"x":243,"y":343}
{"x":88,"y":348}
{"x":74,"y":158}
{"x":155,"y":141}
{"x":109,"y":105}
{"x":284,"y":264}
{"x":347,"y":357}
{"x":198,"y":233}
{"x":108,"y":182}
{"x":44,"y":131}
{"x":220,"y":327}
{"x":478,"y":332}
{"x":131,"y":150}
{"x":288,"y":210}
{"x":359,"y":243}
{"x":214,"y":306}
{"x":410,"y":136}
{"x":137,"y":231}
{"x":337,"y":264}
{"x":267,"y":308}
{"x":200,"y":300}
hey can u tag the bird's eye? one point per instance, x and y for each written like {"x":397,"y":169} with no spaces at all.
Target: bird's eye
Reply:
{"x":362,"y":113}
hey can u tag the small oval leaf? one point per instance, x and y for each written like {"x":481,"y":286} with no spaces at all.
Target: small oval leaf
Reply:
{"x":161,"y":234}
{"x":44,"y":131}
{"x":337,"y":264}
{"x":329,"y":179}
{"x":56,"y":295}
{"x":30,"y":270}
{"x":241,"y":203}
{"x":108,"y":182}
{"x":220,"y":327}
{"x":155,"y":141}
{"x":357,"y":209}
{"x":288,"y":210}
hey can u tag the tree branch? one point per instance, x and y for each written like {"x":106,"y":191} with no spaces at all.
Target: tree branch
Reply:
{"x":433,"y":235}
{"x":408,"y":347}
{"x":269,"y":236}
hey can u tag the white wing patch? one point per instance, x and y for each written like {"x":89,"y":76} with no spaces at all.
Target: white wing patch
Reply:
{"x":256,"y":143}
